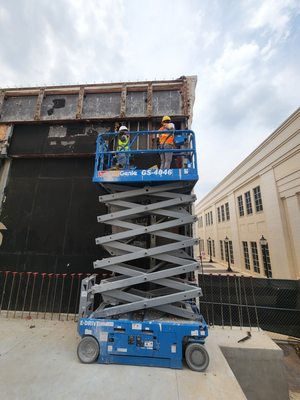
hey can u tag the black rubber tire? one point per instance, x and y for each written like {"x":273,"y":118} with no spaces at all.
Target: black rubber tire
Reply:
{"x":196,"y":357}
{"x":88,"y":350}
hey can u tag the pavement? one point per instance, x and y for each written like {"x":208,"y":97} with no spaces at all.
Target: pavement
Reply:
{"x":38,"y":361}
{"x":215,"y":267}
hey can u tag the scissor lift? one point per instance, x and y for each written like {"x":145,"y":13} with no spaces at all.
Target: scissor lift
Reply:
{"x":149,"y":257}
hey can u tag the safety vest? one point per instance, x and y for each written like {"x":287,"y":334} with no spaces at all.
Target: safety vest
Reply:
{"x":166,"y":138}
{"x":123,"y":146}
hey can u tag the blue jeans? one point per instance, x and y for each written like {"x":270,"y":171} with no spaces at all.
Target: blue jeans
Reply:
{"x":122,"y":159}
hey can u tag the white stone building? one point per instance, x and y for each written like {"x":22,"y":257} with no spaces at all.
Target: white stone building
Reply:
{"x":259,"y":199}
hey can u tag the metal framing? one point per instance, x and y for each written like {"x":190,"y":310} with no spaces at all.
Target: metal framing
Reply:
{"x":27,"y":104}
{"x":150,"y":211}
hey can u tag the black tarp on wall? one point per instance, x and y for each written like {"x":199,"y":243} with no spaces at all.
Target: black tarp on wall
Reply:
{"x":50,"y":212}
{"x":50,"y":206}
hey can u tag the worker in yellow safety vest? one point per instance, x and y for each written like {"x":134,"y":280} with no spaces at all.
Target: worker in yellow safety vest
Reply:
{"x":166,"y":141}
{"x":122,"y":145}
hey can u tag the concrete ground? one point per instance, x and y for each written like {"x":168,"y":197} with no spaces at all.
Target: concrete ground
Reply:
{"x":218,"y":268}
{"x":38,"y":361}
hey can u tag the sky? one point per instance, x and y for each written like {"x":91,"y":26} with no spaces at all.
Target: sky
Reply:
{"x":245,"y":53}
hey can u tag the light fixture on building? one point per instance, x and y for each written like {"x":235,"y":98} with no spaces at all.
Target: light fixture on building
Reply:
{"x":263,"y":241}
{"x":200,"y":255}
{"x":226,"y":241}
{"x":209,"y":248}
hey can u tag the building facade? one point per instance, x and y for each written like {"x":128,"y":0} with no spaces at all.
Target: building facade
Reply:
{"x":48,"y":202}
{"x":252,"y":216}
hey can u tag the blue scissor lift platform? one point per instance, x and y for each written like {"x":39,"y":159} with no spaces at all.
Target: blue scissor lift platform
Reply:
{"x":139,"y":173}
{"x":150,"y":259}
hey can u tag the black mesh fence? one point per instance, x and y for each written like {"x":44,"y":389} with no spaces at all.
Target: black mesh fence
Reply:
{"x":271,"y":304}
{"x":231,"y":300}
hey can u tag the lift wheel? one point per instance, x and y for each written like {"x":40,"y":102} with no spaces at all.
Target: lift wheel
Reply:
{"x":88,"y":350}
{"x":196,"y":357}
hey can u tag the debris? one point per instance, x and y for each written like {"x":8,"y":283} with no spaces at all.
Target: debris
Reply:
{"x":245,"y":338}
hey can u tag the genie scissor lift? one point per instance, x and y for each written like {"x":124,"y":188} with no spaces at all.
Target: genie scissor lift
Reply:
{"x":146,"y":312}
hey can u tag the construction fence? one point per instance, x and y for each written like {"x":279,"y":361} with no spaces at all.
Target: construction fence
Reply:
{"x":269,"y":304}
{"x":228,"y":300}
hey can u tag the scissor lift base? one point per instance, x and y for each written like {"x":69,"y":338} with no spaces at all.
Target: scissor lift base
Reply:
{"x":148,"y":343}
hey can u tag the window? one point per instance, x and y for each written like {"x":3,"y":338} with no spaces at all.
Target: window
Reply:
{"x":231,"y":252}
{"x":246,"y":255}
{"x":213,"y":248}
{"x":221,"y":250}
{"x":255,"y":257}
{"x":201,"y":245}
{"x":266,"y":261}
{"x":223,"y":212}
{"x":208,"y":218}
{"x":257,"y":199}
{"x":241,"y":206}
{"x":219,"y":214}
{"x":227,"y":211}
{"x":200,"y":222}
{"x":248,"y":202}
{"x":226,"y":251}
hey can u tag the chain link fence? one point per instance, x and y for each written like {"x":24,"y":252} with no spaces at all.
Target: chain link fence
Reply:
{"x":228,"y":300}
{"x":269,"y":304}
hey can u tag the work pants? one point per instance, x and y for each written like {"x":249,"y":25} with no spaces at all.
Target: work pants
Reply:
{"x":166,"y":158}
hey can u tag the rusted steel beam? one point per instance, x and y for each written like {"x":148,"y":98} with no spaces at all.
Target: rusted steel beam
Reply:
{"x":51,"y":155}
{"x":150,"y":100}
{"x":123,"y":101}
{"x":40,"y":98}
{"x":21,"y":92}
{"x":95,"y":88}
{"x":184,"y":93}
{"x":90,"y":90}
{"x":103,"y":90}
{"x":89,"y":119}
{"x":2,"y":98}
{"x":80,"y":103}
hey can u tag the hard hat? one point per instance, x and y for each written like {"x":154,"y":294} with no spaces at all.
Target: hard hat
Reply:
{"x":123,"y":128}
{"x":166,"y":119}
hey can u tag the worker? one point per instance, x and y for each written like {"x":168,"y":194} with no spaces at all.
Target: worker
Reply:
{"x":166,"y":141}
{"x":122,"y":145}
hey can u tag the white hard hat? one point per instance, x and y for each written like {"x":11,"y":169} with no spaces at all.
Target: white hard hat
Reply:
{"x":123,"y":128}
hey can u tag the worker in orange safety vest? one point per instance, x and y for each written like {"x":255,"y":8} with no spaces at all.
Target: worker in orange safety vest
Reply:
{"x":166,"y":141}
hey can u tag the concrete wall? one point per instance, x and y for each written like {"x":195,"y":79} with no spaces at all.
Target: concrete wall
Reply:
{"x":260,"y":373}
